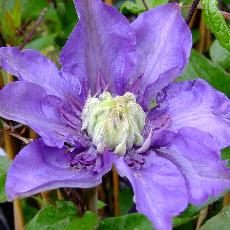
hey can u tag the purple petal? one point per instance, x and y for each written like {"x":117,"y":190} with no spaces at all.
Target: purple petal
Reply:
{"x":100,"y":47}
{"x":198,"y":158}
{"x":196,"y":104}
{"x":38,"y":168}
{"x":159,"y":190}
{"x":164,"y":43}
{"x":29,"y":104}
{"x":32,"y":66}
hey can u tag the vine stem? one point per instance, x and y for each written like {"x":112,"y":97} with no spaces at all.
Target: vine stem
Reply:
{"x":116,"y":192}
{"x":91,"y":198}
{"x":192,"y":11}
{"x":10,"y":148}
{"x":37,"y":23}
{"x":109,"y":2}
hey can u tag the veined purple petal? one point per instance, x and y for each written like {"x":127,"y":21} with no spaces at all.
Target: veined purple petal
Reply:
{"x":159,"y":190}
{"x":31,"y":66}
{"x":163,"y":45}
{"x":102,"y":44}
{"x":29,"y":104}
{"x":39,"y":168}
{"x":197,"y":156}
{"x":196,"y":104}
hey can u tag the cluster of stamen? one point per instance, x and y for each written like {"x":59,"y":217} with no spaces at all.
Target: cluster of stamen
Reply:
{"x":113,"y":123}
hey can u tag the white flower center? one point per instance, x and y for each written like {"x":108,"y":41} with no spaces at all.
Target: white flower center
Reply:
{"x":113,"y":123}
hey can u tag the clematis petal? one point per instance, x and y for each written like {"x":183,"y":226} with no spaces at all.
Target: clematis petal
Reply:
{"x":159,"y":190}
{"x":198,"y":158}
{"x":163,"y":45}
{"x":196,"y":104}
{"x":101,"y":46}
{"x":33,"y":107}
{"x":38,"y":168}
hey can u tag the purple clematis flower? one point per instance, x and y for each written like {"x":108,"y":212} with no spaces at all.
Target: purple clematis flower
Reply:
{"x":100,"y":104}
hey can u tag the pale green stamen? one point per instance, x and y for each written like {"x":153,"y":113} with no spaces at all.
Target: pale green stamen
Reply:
{"x":113,"y":123}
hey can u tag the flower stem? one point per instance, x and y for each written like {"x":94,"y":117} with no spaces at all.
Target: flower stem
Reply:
{"x":11,"y":149}
{"x":116,"y":192}
{"x":109,"y":2}
{"x":226,"y":200}
{"x":192,"y":11}
{"x":201,"y":218}
{"x":90,"y":198}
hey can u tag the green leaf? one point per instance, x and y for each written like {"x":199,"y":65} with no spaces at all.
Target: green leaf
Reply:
{"x":42,"y":42}
{"x":8,"y":28}
{"x":220,"y":221}
{"x":200,"y":66}
{"x":134,"y":221}
{"x":220,"y":55}
{"x":125,"y":200}
{"x":52,"y":217}
{"x":30,"y":11}
{"x":62,"y":217}
{"x":4,"y":165}
{"x":89,"y":221}
{"x":138,"y":7}
{"x":16,"y":13}
{"x":100,"y":204}
{"x":216,"y":23}
{"x":225,"y":154}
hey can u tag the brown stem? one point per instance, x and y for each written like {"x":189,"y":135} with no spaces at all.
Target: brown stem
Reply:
{"x":18,"y":215}
{"x":226,"y":200}
{"x":37,"y":23}
{"x":201,"y":218}
{"x":11,"y":150}
{"x":192,"y":11}
{"x":116,"y":192}
{"x":46,"y":198}
{"x":109,"y":2}
{"x":91,"y":197}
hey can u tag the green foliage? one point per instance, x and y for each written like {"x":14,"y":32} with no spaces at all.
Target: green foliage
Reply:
{"x":225,"y":153}
{"x":202,"y":67}
{"x":100,"y":204}
{"x":4,"y":165}
{"x":62,"y":217}
{"x":128,"y":222}
{"x":137,"y":6}
{"x":216,"y":23}
{"x":220,"y":221}
{"x":125,"y":200}
{"x":220,"y":55}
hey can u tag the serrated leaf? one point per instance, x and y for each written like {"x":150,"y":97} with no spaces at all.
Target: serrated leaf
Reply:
{"x":62,"y":217}
{"x":220,"y":221}
{"x":201,"y":67}
{"x":53,"y":218}
{"x":4,"y":165}
{"x":216,"y":22}
{"x":220,"y":55}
